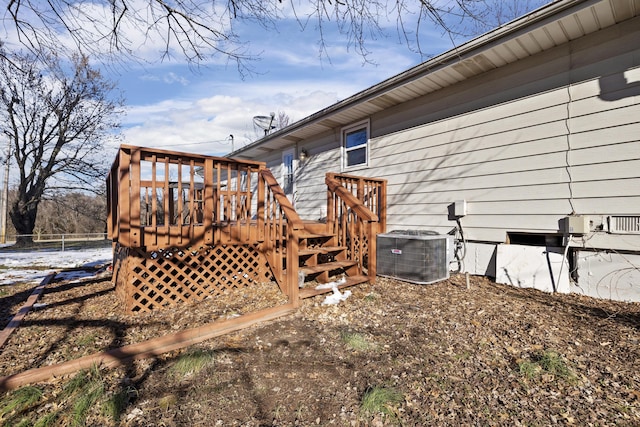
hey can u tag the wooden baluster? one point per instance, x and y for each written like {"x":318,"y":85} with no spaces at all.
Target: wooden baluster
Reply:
{"x":154,"y":202}
{"x":246,"y":202}
{"x":209,"y":201}
{"x":227,"y":203}
{"x":180,"y":204}
{"x":147,"y":218}
{"x":260,"y":206}
{"x":124,"y":202}
{"x":135,"y":199}
{"x":167,"y":197}
{"x":191,"y":200}
{"x":218,"y":210}
{"x":237,"y":207}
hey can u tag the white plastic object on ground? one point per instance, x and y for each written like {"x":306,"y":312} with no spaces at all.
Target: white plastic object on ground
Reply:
{"x":336,"y":297}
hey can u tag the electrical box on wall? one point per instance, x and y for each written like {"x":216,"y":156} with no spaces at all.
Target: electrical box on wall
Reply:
{"x":460,"y":208}
{"x":575,"y":224}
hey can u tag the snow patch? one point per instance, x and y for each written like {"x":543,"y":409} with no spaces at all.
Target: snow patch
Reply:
{"x":25,"y":266}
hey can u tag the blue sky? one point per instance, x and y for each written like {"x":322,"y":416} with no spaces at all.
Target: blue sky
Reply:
{"x":170,"y":105}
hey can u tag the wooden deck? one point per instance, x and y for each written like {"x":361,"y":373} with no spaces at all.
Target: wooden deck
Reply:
{"x":186,"y":227}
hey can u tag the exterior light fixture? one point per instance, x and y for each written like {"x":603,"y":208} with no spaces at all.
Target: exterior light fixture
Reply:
{"x":304,"y":155}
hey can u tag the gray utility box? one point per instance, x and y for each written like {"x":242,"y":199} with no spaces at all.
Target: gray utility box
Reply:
{"x":415,"y":256}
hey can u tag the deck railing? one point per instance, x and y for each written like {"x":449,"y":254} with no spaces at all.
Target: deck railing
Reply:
{"x":371,"y":192}
{"x":278,"y":227}
{"x":356,"y":213}
{"x":162,"y":198}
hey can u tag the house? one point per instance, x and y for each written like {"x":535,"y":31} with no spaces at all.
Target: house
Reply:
{"x":525,"y":140}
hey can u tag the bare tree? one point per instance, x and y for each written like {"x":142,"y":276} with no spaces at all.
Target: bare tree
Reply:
{"x":198,"y":29}
{"x":57,"y":119}
{"x":72,"y":213}
{"x":282,"y":120}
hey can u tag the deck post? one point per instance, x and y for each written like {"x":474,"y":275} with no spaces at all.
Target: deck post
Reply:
{"x":123,"y":183}
{"x":331,"y":217}
{"x":382,"y":208}
{"x":261,"y":206}
{"x":112,"y":204}
{"x":135,"y":199}
{"x":371,"y":249}
{"x":292,"y":268}
{"x":209,"y":202}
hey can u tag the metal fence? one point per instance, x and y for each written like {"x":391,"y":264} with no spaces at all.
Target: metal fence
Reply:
{"x":62,"y":241}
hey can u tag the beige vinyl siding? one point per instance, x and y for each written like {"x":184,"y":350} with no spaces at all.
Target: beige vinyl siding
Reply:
{"x":418,"y":174}
{"x":524,"y":145}
{"x":605,"y":171}
{"x":312,"y":208}
{"x":311,"y":200}
{"x":525,"y":163}
{"x":274,"y":163}
{"x":504,"y":193}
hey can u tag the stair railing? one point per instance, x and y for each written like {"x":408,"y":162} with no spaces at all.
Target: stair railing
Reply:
{"x":355,"y":207}
{"x":278,"y":228}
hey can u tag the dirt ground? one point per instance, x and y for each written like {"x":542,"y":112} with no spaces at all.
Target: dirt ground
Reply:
{"x":437,"y":354}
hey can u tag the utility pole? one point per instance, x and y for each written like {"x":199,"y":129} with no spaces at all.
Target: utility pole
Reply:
{"x":5,"y":194}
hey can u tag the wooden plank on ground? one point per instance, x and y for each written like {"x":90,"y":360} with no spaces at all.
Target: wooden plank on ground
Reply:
{"x":17,"y":319}
{"x":151,"y":348}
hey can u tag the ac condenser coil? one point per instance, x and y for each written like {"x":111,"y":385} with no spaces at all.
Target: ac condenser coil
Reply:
{"x":414,"y":256}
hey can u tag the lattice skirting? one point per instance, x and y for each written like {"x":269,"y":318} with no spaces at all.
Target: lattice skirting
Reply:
{"x":148,"y":281}
{"x":355,"y":254}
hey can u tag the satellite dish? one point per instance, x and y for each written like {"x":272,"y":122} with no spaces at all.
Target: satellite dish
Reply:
{"x":264,"y":122}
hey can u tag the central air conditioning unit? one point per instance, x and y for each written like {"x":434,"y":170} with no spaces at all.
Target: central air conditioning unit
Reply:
{"x":415,"y":256}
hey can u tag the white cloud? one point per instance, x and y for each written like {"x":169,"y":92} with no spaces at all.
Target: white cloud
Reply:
{"x":217,"y":104}
{"x":204,"y":124}
{"x":168,"y":78}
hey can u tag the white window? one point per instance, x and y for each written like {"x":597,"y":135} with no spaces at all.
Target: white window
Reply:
{"x":355,"y":141}
{"x":288,"y":173}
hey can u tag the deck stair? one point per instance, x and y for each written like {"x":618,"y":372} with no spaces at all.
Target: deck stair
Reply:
{"x":322,"y":261}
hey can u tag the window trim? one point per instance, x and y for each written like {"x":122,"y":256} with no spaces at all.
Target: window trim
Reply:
{"x":283,"y":172}
{"x":364,"y":124}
